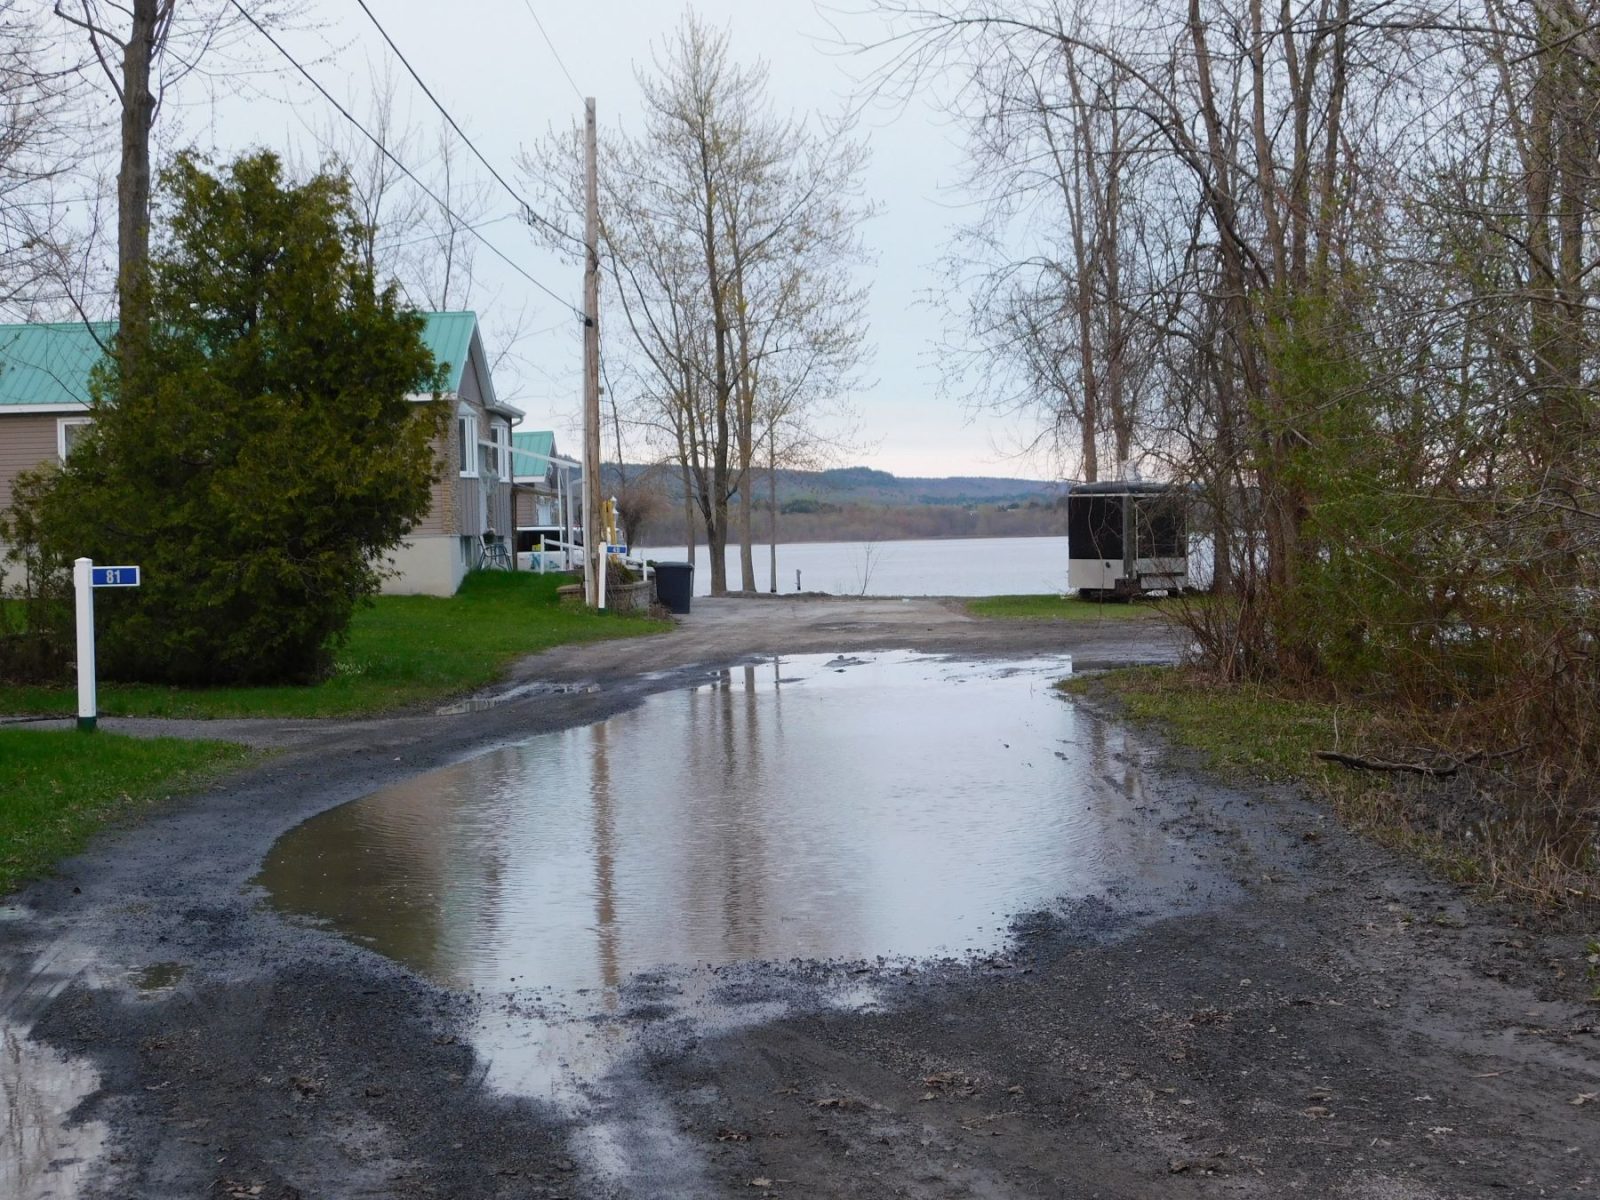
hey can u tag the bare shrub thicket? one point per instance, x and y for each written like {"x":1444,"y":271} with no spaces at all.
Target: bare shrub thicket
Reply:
{"x":1336,"y":266}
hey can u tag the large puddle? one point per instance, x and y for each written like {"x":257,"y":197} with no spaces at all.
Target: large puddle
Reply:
{"x":891,"y":805}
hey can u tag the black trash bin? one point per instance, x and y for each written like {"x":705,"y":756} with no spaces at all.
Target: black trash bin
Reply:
{"x":674,"y":585}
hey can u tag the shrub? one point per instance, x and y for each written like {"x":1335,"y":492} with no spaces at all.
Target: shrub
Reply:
{"x":255,"y":452}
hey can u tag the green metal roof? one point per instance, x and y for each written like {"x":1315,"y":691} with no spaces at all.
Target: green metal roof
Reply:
{"x":449,"y":336}
{"x":525,"y":446}
{"x":50,"y":364}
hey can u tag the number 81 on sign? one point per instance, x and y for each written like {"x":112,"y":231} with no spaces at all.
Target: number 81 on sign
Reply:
{"x":114,"y":576}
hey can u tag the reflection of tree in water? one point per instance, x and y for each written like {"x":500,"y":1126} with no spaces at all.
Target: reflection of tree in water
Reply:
{"x":724,"y":782}
{"x":42,"y":1153}
{"x":866,"y":810}
{"x":408,"y":870}
{"x":746,"y":805}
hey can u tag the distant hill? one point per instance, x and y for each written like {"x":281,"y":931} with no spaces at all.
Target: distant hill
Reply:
{"x":867,"y":486}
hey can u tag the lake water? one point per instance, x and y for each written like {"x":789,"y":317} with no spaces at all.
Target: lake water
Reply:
{"x":944,"y":567}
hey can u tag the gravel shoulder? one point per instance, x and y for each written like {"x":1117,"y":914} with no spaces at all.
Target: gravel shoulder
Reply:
{"x":1311,"y":1015}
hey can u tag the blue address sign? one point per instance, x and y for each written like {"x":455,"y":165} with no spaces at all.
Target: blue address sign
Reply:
{"x":114,"y":576}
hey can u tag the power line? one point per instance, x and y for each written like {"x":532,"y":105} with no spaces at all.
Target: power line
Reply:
{"x":433,"y":237}
{"x":409,"y":173}
{"x":578,"y":91}
{"x":527,"y":208}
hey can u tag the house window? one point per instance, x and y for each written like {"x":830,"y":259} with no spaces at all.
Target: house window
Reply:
{"x":500,"y":464}
{"x":467,"y":438}
{"x":69,"y":432}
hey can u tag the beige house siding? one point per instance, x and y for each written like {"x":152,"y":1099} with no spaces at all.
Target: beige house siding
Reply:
{"x":440,"y":517}
{"x":26,"y":440}
{"x":485,"y":502}
{"x":537,"y":508}
{"x":500,"y":509}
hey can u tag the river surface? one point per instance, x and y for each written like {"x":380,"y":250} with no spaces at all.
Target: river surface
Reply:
{"x":927,"y":567}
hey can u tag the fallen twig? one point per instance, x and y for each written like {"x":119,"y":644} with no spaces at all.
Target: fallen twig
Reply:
{"x":1432,"y":770}
{"x":1356,"y":762}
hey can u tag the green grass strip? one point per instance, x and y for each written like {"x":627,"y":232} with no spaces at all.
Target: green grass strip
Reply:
{"x":1241,"y":730}
{"x":403,"y":650}
{"x":1062,"y":608}
{"x":57,"y":788}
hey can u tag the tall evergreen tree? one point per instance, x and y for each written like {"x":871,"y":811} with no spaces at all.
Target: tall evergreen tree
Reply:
{"x":259,"y":451}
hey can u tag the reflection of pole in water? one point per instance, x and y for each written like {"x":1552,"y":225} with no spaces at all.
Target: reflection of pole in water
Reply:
{"x":738,"y":825}
{"x":605,"y":880}
{"x":750,"y":850}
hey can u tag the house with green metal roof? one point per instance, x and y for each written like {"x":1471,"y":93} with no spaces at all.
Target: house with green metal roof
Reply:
{"x":547,"y":496}
{"x":44,"y":407}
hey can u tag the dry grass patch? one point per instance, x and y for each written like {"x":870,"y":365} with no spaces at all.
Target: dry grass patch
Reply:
{"x":1460,"y":807}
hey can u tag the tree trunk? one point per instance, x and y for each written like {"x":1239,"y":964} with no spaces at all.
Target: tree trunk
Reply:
{"x":717,"y":548}
{"x":688,"y":513}
{"x":717,"y":511}
{"x":747,"y":558}
{"x":133,"y":177}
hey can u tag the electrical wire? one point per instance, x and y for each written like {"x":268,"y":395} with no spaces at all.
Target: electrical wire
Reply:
{"x":577,"y":91}
{"x":527,"y":208}
{"x":409,"y":173}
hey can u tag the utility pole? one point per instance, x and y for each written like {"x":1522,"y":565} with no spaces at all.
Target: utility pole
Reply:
{"x":593,"y":560}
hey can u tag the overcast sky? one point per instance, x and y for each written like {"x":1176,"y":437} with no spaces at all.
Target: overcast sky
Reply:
{"x":488,"y":63}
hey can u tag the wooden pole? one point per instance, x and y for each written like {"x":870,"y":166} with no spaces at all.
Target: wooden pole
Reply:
{"x":592,"y":558}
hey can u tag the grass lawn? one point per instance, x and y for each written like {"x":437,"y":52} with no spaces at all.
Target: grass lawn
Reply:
{"x":57,"y":788}
{"x":1242,"y":730}
{"x":1062,"y":608}
{"x":402,"y":650}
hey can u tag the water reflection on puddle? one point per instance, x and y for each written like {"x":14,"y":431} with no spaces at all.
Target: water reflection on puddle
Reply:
{"x":44,"y":1153}
{"x":893,"y":805}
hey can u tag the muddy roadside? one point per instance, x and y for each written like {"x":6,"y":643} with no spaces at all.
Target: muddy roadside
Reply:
{"x":1309,"y":1015}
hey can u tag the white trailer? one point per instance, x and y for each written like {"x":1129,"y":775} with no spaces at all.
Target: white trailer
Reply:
{"x":1126,"y":538}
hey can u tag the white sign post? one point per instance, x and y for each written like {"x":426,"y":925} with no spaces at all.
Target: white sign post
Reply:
{"x":85,"y":578}
{"x":81,"y":582}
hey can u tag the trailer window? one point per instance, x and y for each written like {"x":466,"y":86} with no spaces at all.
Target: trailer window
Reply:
{"x":1094,"y":527}
{"x":1160,"y":528}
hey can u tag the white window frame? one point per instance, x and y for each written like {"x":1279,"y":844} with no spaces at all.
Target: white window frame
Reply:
{"x":500,"y":434}
{"x":467,"y":431}
{"x":61,"y":433}
{"x":486,"y":467}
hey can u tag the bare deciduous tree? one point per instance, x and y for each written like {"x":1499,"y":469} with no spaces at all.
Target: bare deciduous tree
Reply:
{"x":731,"y":237}
{"x":36,"y":147}
{"x":1362,"y":281}
{"x":144,"y":48}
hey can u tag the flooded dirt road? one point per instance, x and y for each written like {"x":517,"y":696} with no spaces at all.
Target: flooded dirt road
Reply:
{"x":858,"y":925}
